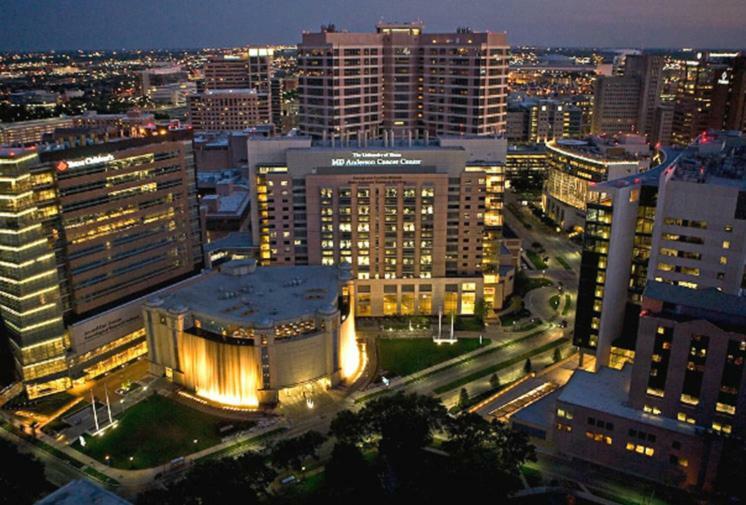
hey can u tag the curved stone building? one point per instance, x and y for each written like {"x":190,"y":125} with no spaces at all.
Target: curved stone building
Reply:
{"x":244,"y":336}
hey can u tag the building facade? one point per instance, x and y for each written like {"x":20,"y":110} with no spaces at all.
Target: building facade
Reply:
{"x":228,"y":110}
{"x":668,"y":416}
{"x":680,"y":223}
{"x":358,"y":85}
{"x":85,"y":229}
{"x":420,"y":223}
{"x":232,"y":338}
{"x":574,"y":166}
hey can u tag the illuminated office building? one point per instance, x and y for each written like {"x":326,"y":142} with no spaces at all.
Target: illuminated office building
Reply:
{"x":83,"y":230}
{"x":711,"y":94}
{"x":356,"y":85}
{"x":682,"y":223}
{"x":574,"y":166}
{"x":420,"y":222}
{"x":243,"y":336}
{"x":228,"y":110}
{"x":249,"y":69}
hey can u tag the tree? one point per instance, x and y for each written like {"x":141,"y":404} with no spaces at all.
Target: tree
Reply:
{"x":494,"y":381}
{"x":486,"y":455}
{"x":22,"y":478}
{"x":347,"y":475}
{"x":527,"y":366}
{"x":227,"y":480}
{"x":463,"y":398}
{"x":290,"y":453}
{"x":557,"y":356}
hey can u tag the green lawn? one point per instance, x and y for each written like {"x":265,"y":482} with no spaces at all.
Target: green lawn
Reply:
{"x":568,"y":305}
{"x":562,"y":261}
{"x":524,"y":284}
{"x":404,"y":356}
{"x":499,"y":366}
{"x":536,"y":259}
{"x":554,"y":302}
{"x":154,"y":432}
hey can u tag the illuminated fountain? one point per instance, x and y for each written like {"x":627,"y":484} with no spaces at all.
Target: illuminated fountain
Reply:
{"x":221,"y":372}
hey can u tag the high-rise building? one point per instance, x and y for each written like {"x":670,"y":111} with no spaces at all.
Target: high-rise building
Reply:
{"x":648,"y":68}
{"x":420,"y":222}
{"x":84,"y":229}
{"x":574,"y":166}
{"x":681,"y":223}
{"x":152,"y":79}
{"x":249,"y":69}
{"x":710,"y":95}
{"x":543,"y":120}
{"x":360,"y":84}
{"x":627,"y":103}
{"x":616,"y":105}
{"x":228,"y":110}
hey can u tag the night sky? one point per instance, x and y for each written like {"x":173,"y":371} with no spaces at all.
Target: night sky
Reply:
{"x":117,"y":24}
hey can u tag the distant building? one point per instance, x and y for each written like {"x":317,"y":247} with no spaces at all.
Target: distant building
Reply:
{"x":402,"y":80}
{"x":31,"y":132}
{"x":574,"y":166}
{"x":228,"y":110}
{"x":711,"y":95}
{"x":152,"y":79}
{"x":244,"y":336}
{"x":542,"y":120}
{"x":251,"y":69}
{"x":627,"y":103}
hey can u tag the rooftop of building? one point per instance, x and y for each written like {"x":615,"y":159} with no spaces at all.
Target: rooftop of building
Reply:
{"x":230,"y":91}
{"x":233,"y":204}
{"x":246,"y":295}
{"x":603,"y":149}
{"x":607,"y":391}
{"x":715,"y":157}
{"x":233,"y":241}
{"x":519,"y":149}
{"x":711,"y":303}
{"x":649,"y":177}
{"x":82,"y":491}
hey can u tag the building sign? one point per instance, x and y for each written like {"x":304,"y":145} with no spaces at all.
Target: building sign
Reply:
{"x":63,"y":165}
{"x":364,"y":159}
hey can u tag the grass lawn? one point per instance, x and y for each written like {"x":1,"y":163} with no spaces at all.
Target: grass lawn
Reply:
{"x":404,"y":356}
{"x":524,"y":284}
{"x":562,"y":261}
{"x":568,"y":305}
{"x":154,"y":432}
{"x":554,"y":302}
{"x":536,"y":259}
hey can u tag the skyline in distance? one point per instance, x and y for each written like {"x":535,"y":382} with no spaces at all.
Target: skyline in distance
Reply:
{"x":39,"y":25}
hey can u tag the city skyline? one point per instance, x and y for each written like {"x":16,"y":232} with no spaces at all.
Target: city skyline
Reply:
{"x":43,"y":25}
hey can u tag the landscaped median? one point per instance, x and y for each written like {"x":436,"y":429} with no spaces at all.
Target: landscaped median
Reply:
{"x":500,"y":366}
{"x":405,"y":381}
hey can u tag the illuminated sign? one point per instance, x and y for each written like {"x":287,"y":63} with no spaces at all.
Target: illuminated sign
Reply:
{"x":61,"y":166}
{"x":374,"y":158}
